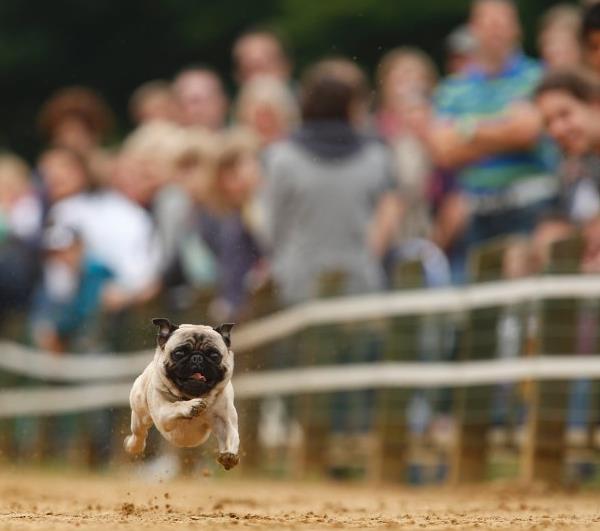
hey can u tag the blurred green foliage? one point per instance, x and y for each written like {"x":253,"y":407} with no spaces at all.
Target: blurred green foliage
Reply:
{"x":115,"y":45}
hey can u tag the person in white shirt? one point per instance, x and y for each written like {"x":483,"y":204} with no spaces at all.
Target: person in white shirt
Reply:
{"x":121,"y":234}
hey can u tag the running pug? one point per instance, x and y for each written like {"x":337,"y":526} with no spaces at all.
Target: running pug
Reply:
{"x":186,"y":391}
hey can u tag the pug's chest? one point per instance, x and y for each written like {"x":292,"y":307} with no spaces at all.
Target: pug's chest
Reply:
{"x":187,"y":432}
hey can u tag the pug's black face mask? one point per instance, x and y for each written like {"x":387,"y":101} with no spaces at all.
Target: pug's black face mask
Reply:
{"x":195,"y":370}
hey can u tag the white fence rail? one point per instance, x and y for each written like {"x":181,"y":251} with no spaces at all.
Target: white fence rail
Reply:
{"x":104,"y":374}
{"x":381,"y":375}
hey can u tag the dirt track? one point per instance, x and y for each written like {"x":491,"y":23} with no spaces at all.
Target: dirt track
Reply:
{"x":34,"y":501}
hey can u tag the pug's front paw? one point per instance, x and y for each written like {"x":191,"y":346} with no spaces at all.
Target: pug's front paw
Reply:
{"x":194,"y":407}
{"x":228,"y":460}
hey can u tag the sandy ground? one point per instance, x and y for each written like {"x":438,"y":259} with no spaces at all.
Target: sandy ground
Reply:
{"x":65,"y":501}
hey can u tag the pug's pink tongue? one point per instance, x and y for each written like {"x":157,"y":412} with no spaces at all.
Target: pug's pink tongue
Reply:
{"x":199,"y":377}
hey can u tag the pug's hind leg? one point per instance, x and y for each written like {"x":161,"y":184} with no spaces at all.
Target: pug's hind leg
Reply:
{"x":136,"y":442}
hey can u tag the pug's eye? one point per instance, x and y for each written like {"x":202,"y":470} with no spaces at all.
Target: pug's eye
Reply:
{"x":213,"y":354}
{"x":178,"y":355}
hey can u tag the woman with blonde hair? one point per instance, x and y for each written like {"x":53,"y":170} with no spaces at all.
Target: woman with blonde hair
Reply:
{"x":170,"y":170}
{"x":268,"y":107}
{"x":402,"y":74}
{"x":145,"y":163}
{"x":406,"y":78}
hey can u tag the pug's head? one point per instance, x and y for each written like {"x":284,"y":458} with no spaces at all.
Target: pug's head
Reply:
{"x":195,"y":358}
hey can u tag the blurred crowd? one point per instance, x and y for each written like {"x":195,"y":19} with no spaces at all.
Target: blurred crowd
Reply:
{"x":295,"y":178}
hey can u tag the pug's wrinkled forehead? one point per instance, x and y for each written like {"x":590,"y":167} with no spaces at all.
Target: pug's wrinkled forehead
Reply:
{"x":198,"y":337}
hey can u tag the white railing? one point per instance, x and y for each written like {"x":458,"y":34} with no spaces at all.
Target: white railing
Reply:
{"x":107,"y":378}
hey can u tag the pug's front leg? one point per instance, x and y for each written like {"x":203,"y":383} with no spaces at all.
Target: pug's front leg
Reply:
{"x":172,"y":412}
{"x":226,"y":431}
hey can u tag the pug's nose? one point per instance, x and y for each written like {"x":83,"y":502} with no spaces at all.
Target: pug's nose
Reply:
{"x":196,"y":359}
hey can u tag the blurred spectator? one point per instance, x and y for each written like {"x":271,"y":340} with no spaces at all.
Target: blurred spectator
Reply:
{"x":406,"y":78}
{"x":570,"y":106}
{"x":560,"y":47}
{"x":568,"y":102}
{"x":201,"y":98}
{"x":68,"y":300}
{"x":20,"y":209}
{"x":65,"y":318}
{"x":558,"y":37}
{"x":590,"y":36}
{"x":403,"y":74}
{"x":187,"y":193}
{"x":461,"y":48}
{"x":145,"y":162}
{"x":268,"y":107}
{"x":121,"y":235}
{"x":169,"y":170}
{"x":488,"y":133}
{"x":237,"y":178}
{"x":20,"y":223}
{"x":331,"y":193}
{"x":79,"y":119}
{"x":193,"y":164}
{"x":237,"y":169}
{"x":260,"y":52}
{"x":64,"y":173}
{"x":154,"y":100}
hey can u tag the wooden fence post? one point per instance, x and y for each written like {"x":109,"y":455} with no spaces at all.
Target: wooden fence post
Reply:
{"x":262,"y":302}
{"x":472,"y":404}
{"x":401,"y":344}
{"x":14,"y":328}
{"x":543,"y":451}
{"x":318,"y":346}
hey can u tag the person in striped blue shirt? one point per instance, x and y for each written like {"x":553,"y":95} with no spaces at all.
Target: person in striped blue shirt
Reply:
{"x":488,"y":134}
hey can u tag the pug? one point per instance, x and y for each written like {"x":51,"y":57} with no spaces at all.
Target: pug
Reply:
{"x":186,"y":391}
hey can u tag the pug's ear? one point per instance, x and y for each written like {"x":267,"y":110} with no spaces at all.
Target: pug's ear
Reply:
{"x":165,"y":329}
{"x":225,"y":330}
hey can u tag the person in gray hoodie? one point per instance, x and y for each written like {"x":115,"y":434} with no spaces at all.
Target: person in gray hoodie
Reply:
{"x":331,"y":199}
